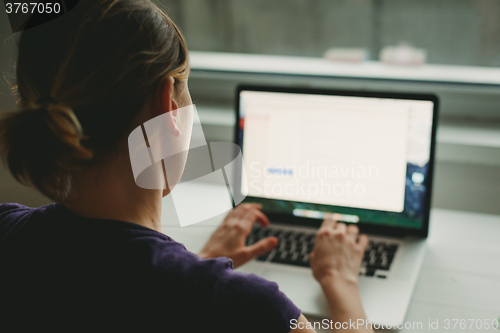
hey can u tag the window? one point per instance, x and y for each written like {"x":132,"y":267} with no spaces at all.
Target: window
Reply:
{"x":453,"y":32}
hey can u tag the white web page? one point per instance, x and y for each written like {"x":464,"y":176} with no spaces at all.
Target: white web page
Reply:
{"x":334,"y":150}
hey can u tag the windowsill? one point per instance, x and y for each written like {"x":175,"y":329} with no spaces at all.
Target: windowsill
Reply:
{"x":318,"y":67}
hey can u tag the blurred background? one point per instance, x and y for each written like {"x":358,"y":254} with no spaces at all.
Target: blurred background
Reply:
{"x":454,"y":32}
{"x":447,"y":47}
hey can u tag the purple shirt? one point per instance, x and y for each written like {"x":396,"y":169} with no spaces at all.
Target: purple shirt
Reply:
{"x":61,"y":272}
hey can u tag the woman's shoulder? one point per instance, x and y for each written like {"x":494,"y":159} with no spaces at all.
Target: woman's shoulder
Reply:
{"x":12,"y":207}
{"x":12,"y":215}
{"x":15,"y":210}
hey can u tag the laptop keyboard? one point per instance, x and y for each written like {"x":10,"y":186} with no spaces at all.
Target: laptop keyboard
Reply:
{"x":294,"y":248}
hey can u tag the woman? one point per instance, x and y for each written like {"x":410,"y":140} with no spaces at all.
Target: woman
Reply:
{"x":97,"y":259}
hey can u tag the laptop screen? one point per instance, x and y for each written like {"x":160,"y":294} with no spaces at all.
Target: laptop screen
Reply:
{"x":366,"y":159}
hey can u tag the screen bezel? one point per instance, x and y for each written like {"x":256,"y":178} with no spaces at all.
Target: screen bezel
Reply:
{"x":290,"y":219}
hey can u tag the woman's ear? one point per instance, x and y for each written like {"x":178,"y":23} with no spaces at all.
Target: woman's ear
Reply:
{"x":169,"y":107}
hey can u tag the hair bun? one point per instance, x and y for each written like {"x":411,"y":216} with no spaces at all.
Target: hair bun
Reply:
{"x":42,"y":145}
{"x":65,"y":126}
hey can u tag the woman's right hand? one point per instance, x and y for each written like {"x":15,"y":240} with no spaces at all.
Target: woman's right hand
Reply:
{"x":338,"y":253}
{"x":335,"y":261}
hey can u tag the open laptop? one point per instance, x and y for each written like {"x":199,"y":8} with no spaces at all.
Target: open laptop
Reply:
{"x":366,"y":157}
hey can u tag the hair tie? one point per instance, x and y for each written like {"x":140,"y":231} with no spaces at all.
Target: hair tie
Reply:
{"x":47,"y":99}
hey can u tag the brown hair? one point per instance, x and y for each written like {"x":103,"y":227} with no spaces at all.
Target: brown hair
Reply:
{"x":81,"y":81}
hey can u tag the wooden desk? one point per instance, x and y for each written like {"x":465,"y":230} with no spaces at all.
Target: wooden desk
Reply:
{"x":460,"y":277}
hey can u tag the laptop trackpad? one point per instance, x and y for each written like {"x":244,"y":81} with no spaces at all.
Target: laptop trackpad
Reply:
{"x":300,"y":286}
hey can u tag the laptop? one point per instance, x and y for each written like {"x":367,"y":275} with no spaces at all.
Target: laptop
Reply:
{"x":366,"y":157}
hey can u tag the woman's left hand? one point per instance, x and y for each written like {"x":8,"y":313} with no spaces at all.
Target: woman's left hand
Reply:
{"x":229,"y":239}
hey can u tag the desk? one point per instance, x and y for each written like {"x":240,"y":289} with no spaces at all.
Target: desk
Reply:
{"x":460,"y":277}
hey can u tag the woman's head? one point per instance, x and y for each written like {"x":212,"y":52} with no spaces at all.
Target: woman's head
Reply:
{"x":82,"y":81}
